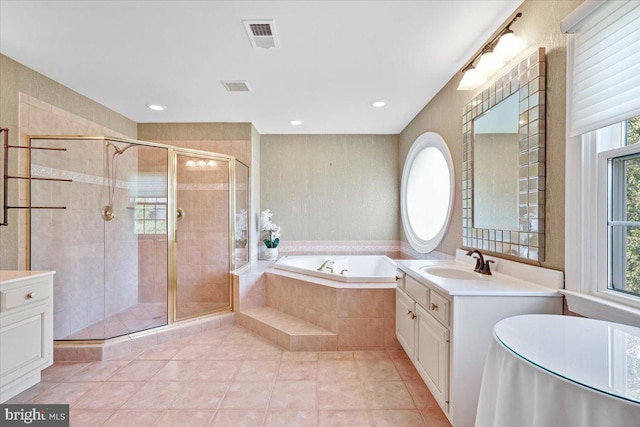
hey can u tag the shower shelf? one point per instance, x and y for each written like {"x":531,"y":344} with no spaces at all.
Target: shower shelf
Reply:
{"x":7,"y":177}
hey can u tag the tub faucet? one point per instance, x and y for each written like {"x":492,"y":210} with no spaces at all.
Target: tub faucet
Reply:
{"x":324,"y":264}
{"x":482,"y":266}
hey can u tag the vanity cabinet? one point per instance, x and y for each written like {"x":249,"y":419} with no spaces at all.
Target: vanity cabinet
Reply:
{"x":26,"y":329}
{"x":446,"y":334}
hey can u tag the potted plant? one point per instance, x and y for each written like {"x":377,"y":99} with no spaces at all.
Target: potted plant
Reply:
{"x":273,"y":236}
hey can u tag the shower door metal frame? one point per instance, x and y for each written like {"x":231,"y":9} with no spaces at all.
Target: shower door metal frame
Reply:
{"x":172,"y":228}
{"x":172,"y":153}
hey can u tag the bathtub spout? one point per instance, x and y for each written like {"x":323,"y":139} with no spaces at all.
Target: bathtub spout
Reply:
{"x":324,"y":264}
{"x":342,"y":272}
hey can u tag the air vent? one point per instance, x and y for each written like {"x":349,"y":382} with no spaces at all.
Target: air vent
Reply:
{"x":236,"y":85}
{"x":262,"y":33}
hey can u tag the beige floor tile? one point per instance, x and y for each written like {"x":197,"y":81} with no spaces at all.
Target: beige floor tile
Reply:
{"x":300,"y":356}
{"x":96,"y":371}
{"x":370,"y":355}
{"x":238,"y":418}
{"x":281,"y":418}
{"x":108,"y":395}
{"x":88,"y":417}
{"x":199,"y":395}
{"x":130,"y":418}
{"x":219,"y":370}
{"x":185,"y":418}
{"x":406,"y":369}
{"x":138,"y":370}
{"x":247,"y":395}
{"x":298,"y":370}
{"x":388,"y":395}
{"x":31,"y":393}
{"x":60,"y":371}
{"x":397,"y":418}
{"x":253,"y":370}
{"x":435,"y":418}
{"x":294,"y":395}
{"x":178,"y":370}
{"x":163,"y":352}
{"x":341,"y":395}
{"x":195,"y":352}
{"x":344,"y":419}
{"x":68,"y":393}
{"x":377,"y":370}
{"x":337,"y":370}
{"x":335,"y":355}
{"x":154,"y":395}
{"x":422,"y":397}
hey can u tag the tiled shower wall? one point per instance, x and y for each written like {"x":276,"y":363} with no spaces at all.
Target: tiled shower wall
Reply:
{"x":88,"y":285}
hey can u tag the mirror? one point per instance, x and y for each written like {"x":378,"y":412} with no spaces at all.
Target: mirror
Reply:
{"x":427,"y":192}
{"x":495,"y":172}
{"x":503,"y":177}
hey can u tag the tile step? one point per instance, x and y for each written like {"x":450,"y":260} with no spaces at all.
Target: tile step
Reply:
{"x":290,"y":332}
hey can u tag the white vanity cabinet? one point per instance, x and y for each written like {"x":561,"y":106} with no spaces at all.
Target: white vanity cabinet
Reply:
{"x":26,"y":329}
{"x":446,"y":333}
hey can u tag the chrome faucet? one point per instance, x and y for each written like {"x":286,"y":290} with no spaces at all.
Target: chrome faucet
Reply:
{"x":324,"y":265}
{"x":482,"y":266}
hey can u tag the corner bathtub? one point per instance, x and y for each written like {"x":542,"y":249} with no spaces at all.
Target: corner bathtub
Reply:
{"x":347,"y":268}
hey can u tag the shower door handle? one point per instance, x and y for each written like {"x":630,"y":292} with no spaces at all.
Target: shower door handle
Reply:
{"x":180,"y":214}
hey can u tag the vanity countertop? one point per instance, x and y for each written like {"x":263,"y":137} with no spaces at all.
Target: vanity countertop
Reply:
{"x":11,"y":276}
{"x":497,"y":284}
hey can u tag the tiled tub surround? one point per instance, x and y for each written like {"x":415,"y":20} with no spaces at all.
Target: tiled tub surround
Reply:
{"x":302,"y":313}
{"x":232,"y":377}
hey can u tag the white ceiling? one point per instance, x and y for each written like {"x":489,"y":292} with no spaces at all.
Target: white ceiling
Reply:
{"x":335,"y":57}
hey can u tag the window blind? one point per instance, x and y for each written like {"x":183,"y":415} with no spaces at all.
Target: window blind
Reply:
{"x":605,"y":74}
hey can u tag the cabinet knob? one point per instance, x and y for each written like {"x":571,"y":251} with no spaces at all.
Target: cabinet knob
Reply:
{"x":434,"y":306}
{"x":30,"y":295}
{"x":413,"y":316}
{"x":408,"y":311}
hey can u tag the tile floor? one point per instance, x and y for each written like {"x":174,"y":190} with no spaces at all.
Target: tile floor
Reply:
{"x":232,"y":377}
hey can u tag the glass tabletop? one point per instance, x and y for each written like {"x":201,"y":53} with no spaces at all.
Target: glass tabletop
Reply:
{"x":603,"y":356}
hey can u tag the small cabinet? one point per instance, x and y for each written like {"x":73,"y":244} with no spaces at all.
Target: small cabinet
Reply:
{"x":26,"y":329}
{"x":405,"y":322}
{"x":432,"y":355}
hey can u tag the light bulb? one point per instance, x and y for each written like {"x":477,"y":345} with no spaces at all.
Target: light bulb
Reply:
{"x":489,"y":63}
{"x":190,"y":163}
{"x":211,"y":163}
{"x":471,"y":80}
{"x":202,"y":163}
{"x":508,"y":46}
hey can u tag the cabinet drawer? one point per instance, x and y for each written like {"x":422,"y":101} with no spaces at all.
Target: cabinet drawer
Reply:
{"x":24,"y":295}
{"x":416,"y":290}
{"x":439,"y":307}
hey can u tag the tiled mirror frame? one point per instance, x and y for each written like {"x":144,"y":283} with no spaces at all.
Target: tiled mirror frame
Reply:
{"x":528,"y":79}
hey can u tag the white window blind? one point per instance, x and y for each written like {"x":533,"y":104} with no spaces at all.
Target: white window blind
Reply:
{"x":606,"y":64}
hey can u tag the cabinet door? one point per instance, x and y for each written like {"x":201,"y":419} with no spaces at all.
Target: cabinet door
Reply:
{"x":432,"y":355}
{"x":405,"y":322}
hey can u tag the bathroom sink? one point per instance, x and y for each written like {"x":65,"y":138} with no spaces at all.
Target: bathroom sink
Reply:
{"x":451,"y":273}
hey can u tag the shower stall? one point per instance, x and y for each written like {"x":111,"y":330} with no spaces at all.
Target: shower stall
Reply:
{"x":144,"y":234}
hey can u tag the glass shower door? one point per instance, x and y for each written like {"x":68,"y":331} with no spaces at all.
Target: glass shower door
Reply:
{"x":202,"y":229}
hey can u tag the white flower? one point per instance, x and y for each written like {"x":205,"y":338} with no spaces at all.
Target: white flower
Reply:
{"x":265,"y":219}
{"x":275,"y":232}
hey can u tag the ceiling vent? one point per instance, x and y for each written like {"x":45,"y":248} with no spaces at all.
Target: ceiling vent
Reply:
{"x":262,"y":33}
{"x":236,"y":85}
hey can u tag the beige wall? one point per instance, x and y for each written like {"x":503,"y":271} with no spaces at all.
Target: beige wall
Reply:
{"x":16,"y":79}
{"x":539,"y":27}
{"x":331,"y":187}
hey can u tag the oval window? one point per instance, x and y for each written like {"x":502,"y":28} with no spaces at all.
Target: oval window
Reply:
{"x":427,"y":192}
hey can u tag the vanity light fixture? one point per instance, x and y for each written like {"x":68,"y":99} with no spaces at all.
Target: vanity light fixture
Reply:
{"x":156,"y":107}
{"x":378,"y":103}
{"x":501,"y":49}
{"x":295,"y":122}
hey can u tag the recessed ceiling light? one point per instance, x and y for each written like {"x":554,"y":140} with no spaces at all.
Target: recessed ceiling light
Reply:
{"x":156,"y":107}
{"x":295,"y":122}
{"x":379,"y":103}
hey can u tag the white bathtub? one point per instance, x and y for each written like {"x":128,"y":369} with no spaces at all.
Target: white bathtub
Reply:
{"x":346,"y":268}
